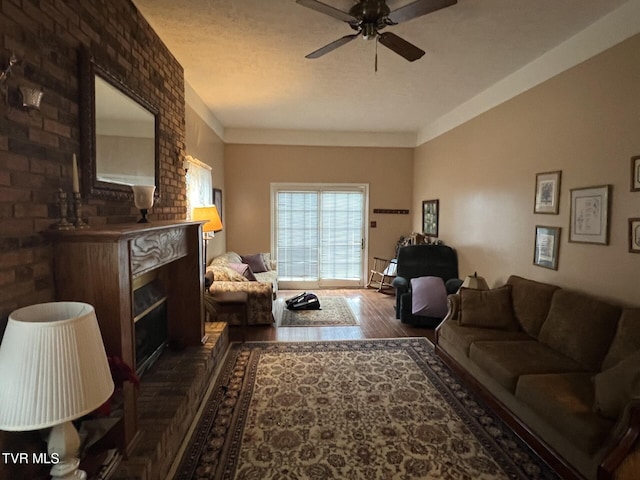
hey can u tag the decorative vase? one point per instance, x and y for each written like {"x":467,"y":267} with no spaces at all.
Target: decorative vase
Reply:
{"x":143,"y":199}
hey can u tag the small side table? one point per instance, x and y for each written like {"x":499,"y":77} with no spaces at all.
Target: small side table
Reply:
{"x":232,"y":303}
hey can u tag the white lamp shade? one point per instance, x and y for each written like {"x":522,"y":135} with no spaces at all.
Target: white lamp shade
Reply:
{"x":53,"y":366}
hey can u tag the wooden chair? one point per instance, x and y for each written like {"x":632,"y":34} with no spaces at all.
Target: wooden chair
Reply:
{"x":382,"y":274}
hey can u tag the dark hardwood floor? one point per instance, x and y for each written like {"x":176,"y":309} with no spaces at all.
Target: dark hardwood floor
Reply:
{"x":375,"y":312}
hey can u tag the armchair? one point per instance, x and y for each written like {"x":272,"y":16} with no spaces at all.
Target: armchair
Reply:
{"x":423,"y":261}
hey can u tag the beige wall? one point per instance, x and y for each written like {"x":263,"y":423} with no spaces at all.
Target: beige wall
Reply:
{"x":584,"y":122}
{"x":250,"y":170}
{"x":203,"y":144}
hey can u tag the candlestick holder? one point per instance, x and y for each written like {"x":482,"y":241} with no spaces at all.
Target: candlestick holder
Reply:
{"x":63,"y":205}
{"x":77,"y":209}
{"x":143,"y":199}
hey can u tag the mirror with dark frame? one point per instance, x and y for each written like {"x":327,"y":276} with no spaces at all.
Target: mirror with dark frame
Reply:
{"x":118,"y":134}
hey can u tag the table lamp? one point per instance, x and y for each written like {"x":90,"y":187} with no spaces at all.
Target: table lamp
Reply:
{"x":54,"y":369}
{"x":476,"y":282}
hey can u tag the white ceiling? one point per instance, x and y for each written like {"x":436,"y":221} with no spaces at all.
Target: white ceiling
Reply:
{"x":245,"y":59}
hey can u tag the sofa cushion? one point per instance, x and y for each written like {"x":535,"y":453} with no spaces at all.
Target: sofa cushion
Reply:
{"x":463,"y":337}
{"x":231,"y":257}
{"x":615,"y":387}
{"x":487,"y":308}
{"x":627,"y":338}
{"x":506,"y":361}
{"x":565,"y":401}
{"x":531,"y":302}
{"x":581,"y":327}
{"x":428,"y":297}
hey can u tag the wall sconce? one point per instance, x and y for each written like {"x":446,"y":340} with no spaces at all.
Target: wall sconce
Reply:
{"x":4,"y":74}
{"x":31,"y":97}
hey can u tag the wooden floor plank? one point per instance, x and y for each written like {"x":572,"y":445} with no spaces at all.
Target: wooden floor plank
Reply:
{"x":375,"y":313}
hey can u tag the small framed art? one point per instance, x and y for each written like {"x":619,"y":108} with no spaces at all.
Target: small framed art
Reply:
{"x":634,"y":235}
{"x":547,"y":247}
{"x":590,"y":215}
{"x":635,"y":174}
{"x":430,"y":213}
{"x":547,"y":198}
{"x":217,"y":201}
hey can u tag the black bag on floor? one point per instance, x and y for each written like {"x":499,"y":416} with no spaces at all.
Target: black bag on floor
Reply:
{"x":304,"y":301}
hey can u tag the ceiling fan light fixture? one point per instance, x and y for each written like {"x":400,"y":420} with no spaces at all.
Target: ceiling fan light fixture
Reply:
{"x":369,"y":31}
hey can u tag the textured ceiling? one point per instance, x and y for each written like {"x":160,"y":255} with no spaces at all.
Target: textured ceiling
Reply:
{"x":245,"y":59}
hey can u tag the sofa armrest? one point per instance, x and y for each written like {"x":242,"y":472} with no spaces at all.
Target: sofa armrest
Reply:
{"x":453,"y":302}
{"x":252,"y":288}
{"x":623,"y":459}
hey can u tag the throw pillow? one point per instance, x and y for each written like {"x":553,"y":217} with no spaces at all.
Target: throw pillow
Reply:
{"x":266,"y":256}
{"x":256,"y":262}
{"x":244,"y":270}
{"x":615,"y":387}
{"x":487,"y":308}
{"x":581,"y":327}
{"x":428,"y":297}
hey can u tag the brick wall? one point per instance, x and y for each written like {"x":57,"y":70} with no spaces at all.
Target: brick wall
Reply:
{"x":36,"y":147}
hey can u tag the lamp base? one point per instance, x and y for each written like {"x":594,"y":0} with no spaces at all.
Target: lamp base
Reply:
{"x":62,"y":445}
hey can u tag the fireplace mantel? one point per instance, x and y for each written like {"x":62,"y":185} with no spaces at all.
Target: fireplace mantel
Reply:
{"x":102,"y":265}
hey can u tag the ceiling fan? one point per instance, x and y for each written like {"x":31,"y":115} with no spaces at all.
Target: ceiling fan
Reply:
{"x":368,"y":17}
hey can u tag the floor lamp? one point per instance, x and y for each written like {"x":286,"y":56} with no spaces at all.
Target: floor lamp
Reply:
{"x":213,"y":224}
{"x":54,"y":369}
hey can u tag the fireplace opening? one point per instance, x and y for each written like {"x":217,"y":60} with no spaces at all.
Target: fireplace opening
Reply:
{"x":150,"y":317}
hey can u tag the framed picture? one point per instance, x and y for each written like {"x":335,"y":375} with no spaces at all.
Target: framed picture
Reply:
{"x":217,"y":201}
{"x":635,"y":174}
{"x":547,"y":247}
{"x":590,"y":215}
{"x":547,"y":198}
{"x":634,"y":235}
{"x":430,"y":211}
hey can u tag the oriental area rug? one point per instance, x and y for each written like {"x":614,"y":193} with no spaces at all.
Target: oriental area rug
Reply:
{"x":364,"y":409}
{"x":334,"y":311}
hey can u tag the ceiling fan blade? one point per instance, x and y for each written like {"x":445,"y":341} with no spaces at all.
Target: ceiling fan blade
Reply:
{"x":327,"y":10}
{"x":418,"y":8}
{"x":400,"y":46}
{"x":332,"y":46}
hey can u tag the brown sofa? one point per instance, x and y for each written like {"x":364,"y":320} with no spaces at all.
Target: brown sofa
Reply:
{"x":561,"y":366}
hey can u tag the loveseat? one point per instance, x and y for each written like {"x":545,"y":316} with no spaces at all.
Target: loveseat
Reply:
{"x":254,"y":274}
{"x":560,"y":365}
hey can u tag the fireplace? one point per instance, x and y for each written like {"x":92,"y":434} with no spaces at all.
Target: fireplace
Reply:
{"x":150,"y":319}
{"x":168,"y":255}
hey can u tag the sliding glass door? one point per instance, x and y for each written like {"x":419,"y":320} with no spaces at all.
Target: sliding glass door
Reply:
{"x":319,"y":235}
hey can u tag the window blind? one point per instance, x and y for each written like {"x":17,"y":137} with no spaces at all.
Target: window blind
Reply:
{"x":319,"y":234}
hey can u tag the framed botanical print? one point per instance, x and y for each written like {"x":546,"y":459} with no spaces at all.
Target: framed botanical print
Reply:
{"x":547,"y":199}
{"x":635,"y":174}
{"x":430,"y":212}
{"x":547,"y":246}
{"x":590,"y":215}
{"x":634,"y":235}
